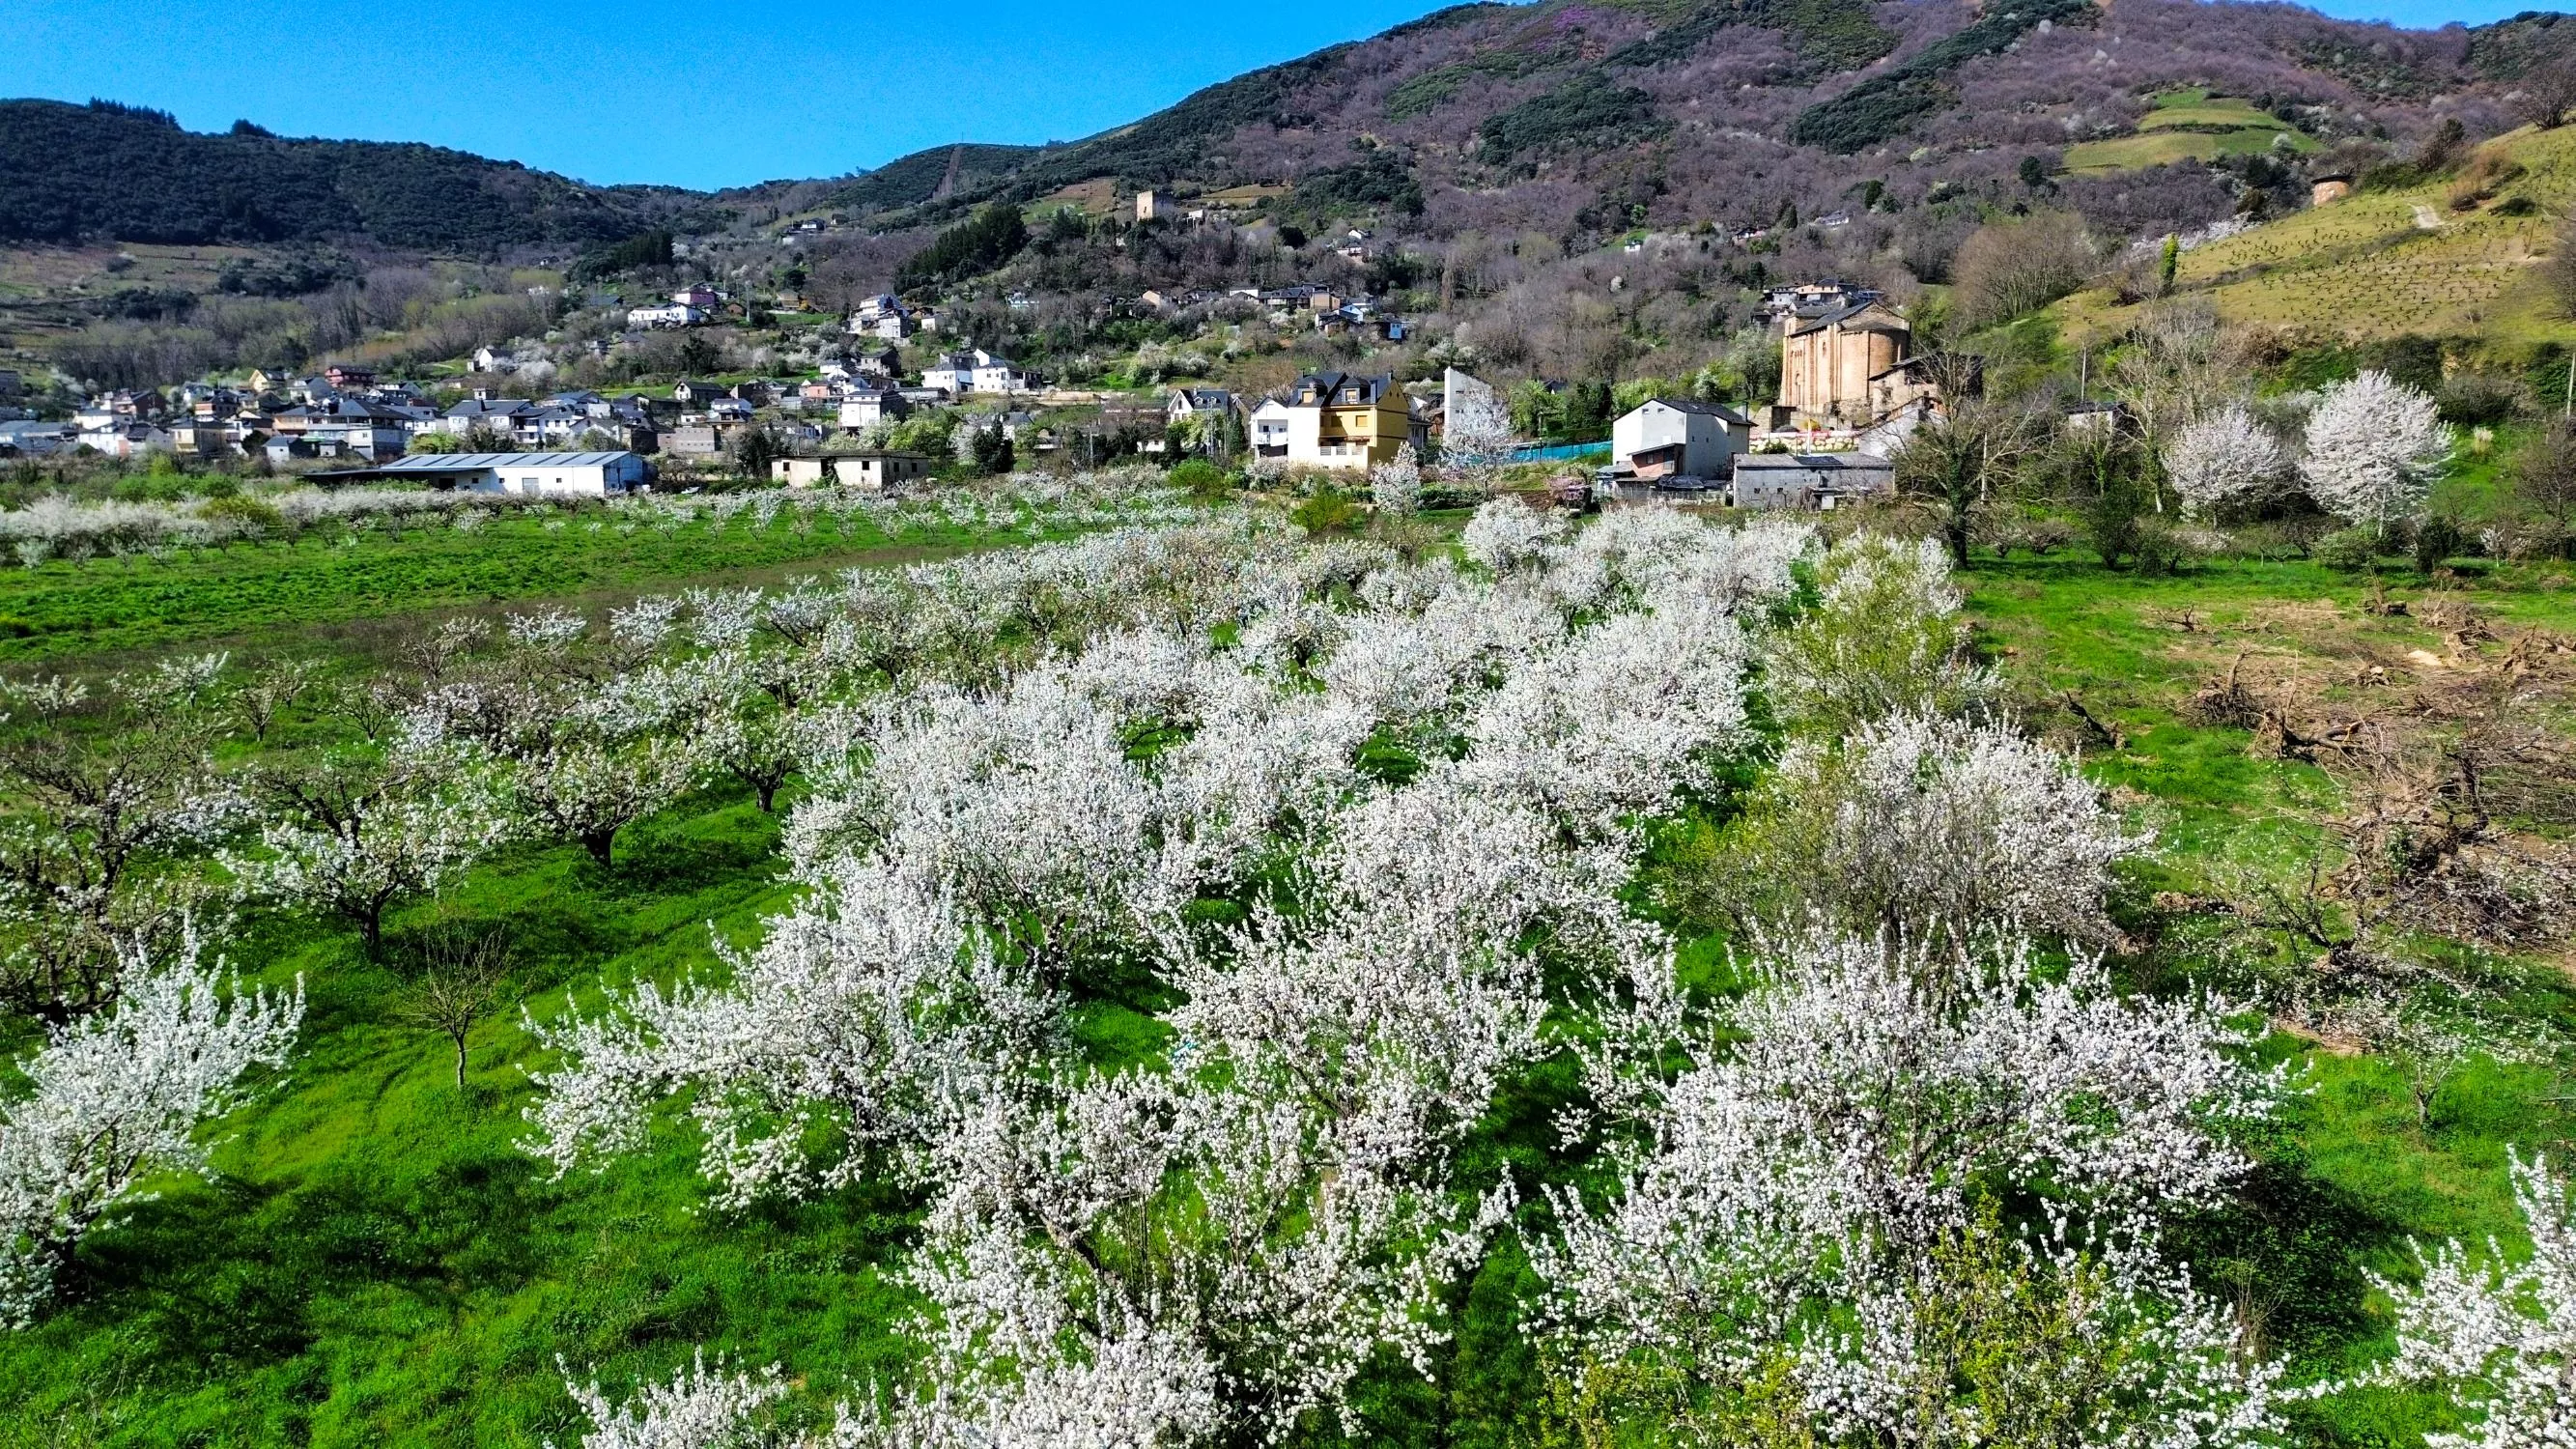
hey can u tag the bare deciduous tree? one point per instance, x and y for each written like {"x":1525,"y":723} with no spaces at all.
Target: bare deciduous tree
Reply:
{"x":2008,"y":268}
{"x":1959,"y":460}
{"x":461,"y":975}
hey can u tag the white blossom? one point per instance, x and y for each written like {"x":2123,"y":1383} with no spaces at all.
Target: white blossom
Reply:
{"x":1834,"y":1129}
{"x":2373,"y":446}
{"x":1507,"y":533}
{"x":1477,"y":435}
{"x":1913,"y":820}
{"x":870,"y":1012}
{"x":120,"y":1096}
{"x":2503,"y":1337}
{"x":1605,"y":723}
{"x":700,"y":1408}
{"x":2225,"y":457}
{"x":1395,"y":486}
{"x":352,"y":838}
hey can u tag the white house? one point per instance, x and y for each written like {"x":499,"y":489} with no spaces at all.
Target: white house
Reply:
{"x":501,"y":414}
{"x":865,"y":407}
{"x":882,"y":315}
{"x":872,"y":471}
{"x":960,"y":373}
{"x":1271,"y":424}
{"x":1679,"y":438}
{"x":553,"y":475}
{"x":126,"y":439}
{"x":995,"y":374}
{"x":1190,"y":401}
{"x":667,"y":314}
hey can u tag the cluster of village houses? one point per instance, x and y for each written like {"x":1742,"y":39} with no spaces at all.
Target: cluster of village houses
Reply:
{"x":1851,"y":387}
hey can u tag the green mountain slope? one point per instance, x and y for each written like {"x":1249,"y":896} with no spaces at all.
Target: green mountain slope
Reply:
{"x":69,"y":172}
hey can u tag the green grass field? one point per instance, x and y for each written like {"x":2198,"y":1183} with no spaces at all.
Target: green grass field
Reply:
{"x":378,"y":1264}
{"x":2188,"y":125}
{"x":278,"y":592}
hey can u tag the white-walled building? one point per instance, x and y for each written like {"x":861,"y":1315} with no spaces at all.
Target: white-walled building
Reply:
{"x":865,"y":407}
{"x":959,"y":373}
{"x":665,"y":314}
{"x":1272,"y":422}
{"x":875,"y":472}
{"x":1679,"y":438}
{"x":552,"y":475}
{"x":882,"y":316}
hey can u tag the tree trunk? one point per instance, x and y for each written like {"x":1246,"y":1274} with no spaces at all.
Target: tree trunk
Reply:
{"x":372,"y":926}
{"x":460,"y":1061}
{"x":1958,"y":538}
{"x":768,"y":792}
{"x":600,"y":843}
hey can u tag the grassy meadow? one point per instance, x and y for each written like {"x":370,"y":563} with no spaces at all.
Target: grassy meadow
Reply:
{"x":279,"y":591}
{"x":2188,"y":125}
{"x":377,"y":1262}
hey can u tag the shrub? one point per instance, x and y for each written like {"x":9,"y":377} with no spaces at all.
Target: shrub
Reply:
{"x":1329,"y":511}
{"x":1884,"y":639}
{"x":2487,"y":173}
{"x":2347,"y":548}
{"x":2478,"y":399}
{"x":2437,"y":537}
{"x":2559,"y":272}
{"x":1201,"y":478}
{"x":249,"y":515}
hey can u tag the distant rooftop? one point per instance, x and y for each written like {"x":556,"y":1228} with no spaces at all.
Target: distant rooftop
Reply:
{"x":473,"y":462}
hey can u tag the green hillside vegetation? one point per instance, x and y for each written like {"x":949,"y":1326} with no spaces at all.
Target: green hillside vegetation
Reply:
{"x":2438,"y":257}
{"x":2189,"y":125}
{"x":918,"y":178}
{"x":1828,"y":35}
{"x":1421,"y":94}
{"x":969,"y":249}
{"x":1588,"y":110}
{"x":69,"y":172}
{"x":1883,"y":106}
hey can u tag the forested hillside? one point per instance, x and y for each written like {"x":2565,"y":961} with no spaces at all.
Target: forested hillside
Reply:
{"x":72,"y":172}
{"x":1590,"y":116}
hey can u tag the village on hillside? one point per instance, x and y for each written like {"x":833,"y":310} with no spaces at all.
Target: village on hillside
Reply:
{"x":891,"y":401}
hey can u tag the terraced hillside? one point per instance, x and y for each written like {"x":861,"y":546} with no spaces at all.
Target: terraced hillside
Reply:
{"x":2190,"y":125}
{"x":2432,"y":258}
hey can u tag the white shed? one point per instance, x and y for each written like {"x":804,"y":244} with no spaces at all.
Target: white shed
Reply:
{"x":552,"y":475}
{"x":1679,"y":438}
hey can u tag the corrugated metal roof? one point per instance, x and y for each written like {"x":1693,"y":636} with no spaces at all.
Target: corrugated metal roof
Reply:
{"x":1694,"y":405}
{"x":476,"y":462}
{"x":1814,"y":462}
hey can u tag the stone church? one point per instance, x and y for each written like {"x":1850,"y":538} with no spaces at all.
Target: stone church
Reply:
{"x":1846,"y":360}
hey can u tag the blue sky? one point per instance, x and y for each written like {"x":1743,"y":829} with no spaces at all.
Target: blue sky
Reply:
{"x":704,"y":95}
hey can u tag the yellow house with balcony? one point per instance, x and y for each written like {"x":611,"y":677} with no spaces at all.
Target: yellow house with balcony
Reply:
{"x":1338,"y":420}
